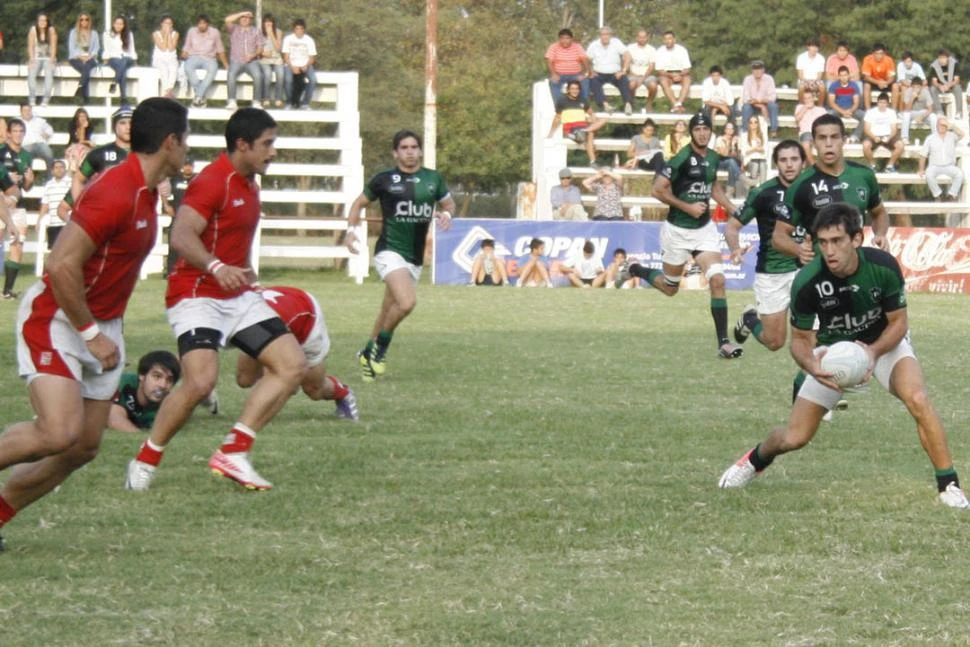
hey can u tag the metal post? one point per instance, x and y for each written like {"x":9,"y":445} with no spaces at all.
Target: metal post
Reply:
{"x":431,"y":84}
{"x":601,"y":13}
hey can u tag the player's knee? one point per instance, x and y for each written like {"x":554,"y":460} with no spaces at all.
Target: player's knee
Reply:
{"x":315,"y":390}
{"x":918,"y":402}
{"x":793,"y":440}
{"x":55,"y":436}
{"x":245,"y":379}
{"x":407,"y":304}
{"x":773,"y":343}
{"x":197,"y":387}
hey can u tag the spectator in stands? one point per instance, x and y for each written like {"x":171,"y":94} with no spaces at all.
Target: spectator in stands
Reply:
{"x":610,"y":62}
{"x":487,"y":267}
{"x":585,"y":270}
{"x":758,"y":96}
{"x":676,"y":139}
{"x":54,"y":191}
{"x":940,"y":149}
{"x":645,"y":151}
{"x":534,"y":268}
{"x":83,"y":47}
{"x":728,"y":146}
{"x":577,"y":119}
{"x":619,"y":260}
{"x":944,"y":80}
{"x":810,"y":66}
{"x":80,"y":134}
{"x":879,"y":73}
{"x":37,"y":135}
{"x":566,"y":200}
{"x":271,"y":62}
{"x":609,"y":193}
{"x":881,"y":129}
{"x":299,"y":55}
{"x":907,"y":69}
{"x":917,"y":107}
{"x":754,"y":150}
{"x":567,"y":61}
{"x":805,"y":115}
{"x":41,"y":58}
{"x":844,"y":101}
{"x":245,"y":45}
{"x":165,"y":56}
{"x":201,"y":49}
{"x":840,"y":58}
{"x":716,"y":94}
{"x":673,"y":66}
{"x":643,"y":58}
{"x":119,"y":53}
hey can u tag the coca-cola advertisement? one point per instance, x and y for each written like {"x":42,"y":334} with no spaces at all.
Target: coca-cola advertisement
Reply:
{"x":932,"y":259}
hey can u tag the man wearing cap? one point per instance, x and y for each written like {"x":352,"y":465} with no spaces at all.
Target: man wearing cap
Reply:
{"x":566,"y":199}
{"x":758,"y":95}
{"x":686,"y":184}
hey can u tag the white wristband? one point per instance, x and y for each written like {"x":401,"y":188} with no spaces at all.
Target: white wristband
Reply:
{"x":89,"y":332}
{"x":214,"y":266}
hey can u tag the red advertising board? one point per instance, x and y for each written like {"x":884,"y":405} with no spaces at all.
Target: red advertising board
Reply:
{"x":932,"y":259}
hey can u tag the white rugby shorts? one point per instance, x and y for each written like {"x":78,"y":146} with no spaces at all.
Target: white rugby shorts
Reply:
{"x":228,"y":316}
{"x":678,"y":244}
{"x":813,"y":391}
{"x":772,"y":292}
{"x":387,"y":261}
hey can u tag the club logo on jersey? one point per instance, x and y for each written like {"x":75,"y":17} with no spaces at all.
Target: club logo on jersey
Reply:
{"x":141,"y":224}
{"x":852,"y":324}
{"x":238,"y":202}
{"x":46,"y":358}
{"x":780,"y":209}
{"x":407,"y":211}
{"x":863,"y":193}
{"x":875,"y":293}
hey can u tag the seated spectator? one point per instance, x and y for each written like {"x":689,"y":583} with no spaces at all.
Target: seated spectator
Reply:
{"x":907,"y":69}
{"x":567,"y":61}
{"x":585,"y":270}
{"x":606,"y":185}
{"x":676,"y":139}
{"x":758,"y":96}
{"x":271,"y":62}
{"x":41,"y":58}
{"x":245,"y":45}
{"x":577,"y":120}
{"x":716,"y":94}
{"x":165,"y":57}
{"x":945,"y":80}
{"x":806,"y":113}
{"x":566,"y":200}
{"x":844,"y":101}
{"x":645,"y":151}
{"x":202,"y":46}
{"x":840,"y":58}
{"x":810,"y":66}
{"x":754,"y":148}
{"x":37,"y":135}
{"x":487,"y":268}
{"x":80,"y":134}
{"x":140,"y":395}
{"x":83,"y":47}
{"x":673,"y":66}
{"x":881,"y":129}
{"x":299,"y":56}
{"x":610,"y":62}
{"x":619,"y":260}
{"x":119,"y":53}
{"x":940,"y":149}
{"x":534,"y":268}
{"x":643,"y":58}
{"x":54,"y":191}
{"x":879,"y":73}
{"x":728,"y":147}
{"x":917,"y":107}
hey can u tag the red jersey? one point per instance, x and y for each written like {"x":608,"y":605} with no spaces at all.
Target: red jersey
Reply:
{"x":117,"y":211}
{"x":295,"y":307}
{"x":230,"y":203}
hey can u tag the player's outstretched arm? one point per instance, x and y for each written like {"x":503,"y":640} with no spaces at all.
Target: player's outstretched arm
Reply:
{"x":118,"y":420}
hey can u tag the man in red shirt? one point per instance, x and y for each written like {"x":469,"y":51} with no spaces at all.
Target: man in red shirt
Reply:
{"x":211,"y":302}
{"x":301,"y":313}
{"x":70,"y":348}
{"x":567,"y":61}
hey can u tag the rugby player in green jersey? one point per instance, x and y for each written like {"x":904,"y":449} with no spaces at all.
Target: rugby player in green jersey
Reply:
{"x":857,"y":294}
{"x":408,"y":195}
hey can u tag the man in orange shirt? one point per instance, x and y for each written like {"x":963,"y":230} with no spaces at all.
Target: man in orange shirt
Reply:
{"x":879,"y":73}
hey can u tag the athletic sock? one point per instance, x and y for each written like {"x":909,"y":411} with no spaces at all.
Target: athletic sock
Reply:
{"x":756,"y":460}
{"x":7,"y":512}
{"x":756,"y":330}
{"x":720,"y":313}
{"x":150,"y":453}
{"x":946,"y":476}
{"x":10,"y":269}
{"x":646,"y":273}
{"x":383,"y":341}
{"x":239,"y":440}
{"x":340,"y":389}
{"x":368,"y":351}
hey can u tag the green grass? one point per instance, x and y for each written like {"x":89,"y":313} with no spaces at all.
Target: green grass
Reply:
{"x":537,"y":467}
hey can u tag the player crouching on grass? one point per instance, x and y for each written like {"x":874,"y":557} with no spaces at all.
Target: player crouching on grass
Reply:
{"x":858,"y":294}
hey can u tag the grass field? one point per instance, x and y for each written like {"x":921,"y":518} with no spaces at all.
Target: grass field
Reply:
{"x":538,"y":467}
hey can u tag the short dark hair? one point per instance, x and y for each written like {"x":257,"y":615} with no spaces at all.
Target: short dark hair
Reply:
{"x":401,"y":135}
{"x":201,"y":17}
{"x":843,"y":67}
{"x":619,"y":250}
{"x":648,"y":122}
{"x":878,"y":46}
{"x":839,"y":213}
{"x":842,"y":43}
{"x":883,"y":95}
{"x":589,"y":247}
{"x":535,"y":244}
{"x":565,"y":32}
{"x":488,"y":242}
{"x":942,"y":51}
{"x":569,"y":84}
{"x":811,"y":42}
{"x":16,"y":122}
{"x":784,"y":145}
{"x":906,"y":54}
{"x":26,"y":104}
{"x":155,"y":119}
{"x":299,"y":22}
{"x":828,"y":120}
{"x":162,"y":358}
{"x":669,"y":31}
{"x":247,"y":124}
{"x":917,"y":80}
{"x":715,"y":68}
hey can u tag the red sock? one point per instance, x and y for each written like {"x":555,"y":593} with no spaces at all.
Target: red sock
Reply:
{"x":340,"y":390}
{"x":6,"y":512}
{"x":239,"y":441}
{"x":150,"y":453}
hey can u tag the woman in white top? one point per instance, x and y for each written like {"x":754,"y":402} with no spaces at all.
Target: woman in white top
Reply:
{"x":271,"y":62}
{"x":119,"y":53}
{"x":753,"y":151}
{"x":42,"y":57}
{"x":165,"y":55}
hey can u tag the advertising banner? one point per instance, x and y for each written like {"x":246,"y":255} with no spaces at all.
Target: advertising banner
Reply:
{"x":933,"y":259}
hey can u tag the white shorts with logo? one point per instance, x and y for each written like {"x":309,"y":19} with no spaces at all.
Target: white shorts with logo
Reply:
{"x":387,"y":261}
{"x":317,"y":344}
{"x":228,"y":316}
{"x":813,"y":391}
{"x":56,"y":348}
{"x":772,"y":292}
{"x":678,"y":244}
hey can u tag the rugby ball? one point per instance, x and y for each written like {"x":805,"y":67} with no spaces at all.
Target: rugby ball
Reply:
{"x":848,"y":363}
